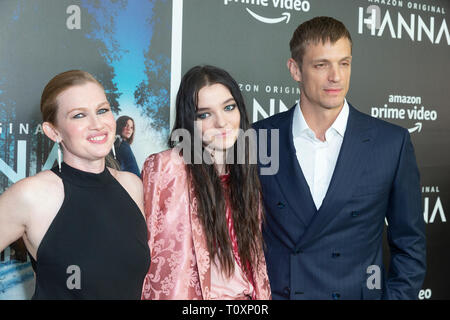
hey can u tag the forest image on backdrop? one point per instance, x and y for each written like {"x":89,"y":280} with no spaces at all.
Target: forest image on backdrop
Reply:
{"x":138,"y":73}
{"x":125,"y":44}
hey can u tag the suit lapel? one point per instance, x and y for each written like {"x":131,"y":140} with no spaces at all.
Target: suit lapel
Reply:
{"x":290,"y":176}
{"x":352,"y":156}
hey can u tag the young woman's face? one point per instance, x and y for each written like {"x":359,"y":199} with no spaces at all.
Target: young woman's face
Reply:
{"x":85,"y":123}
{"x":218,"y":117}
{"x":127,"y":131}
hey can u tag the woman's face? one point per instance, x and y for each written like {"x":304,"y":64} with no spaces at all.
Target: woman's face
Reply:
{"x":85,"y":123}
{"x":218,"y":117}
{"x":127,"y":131}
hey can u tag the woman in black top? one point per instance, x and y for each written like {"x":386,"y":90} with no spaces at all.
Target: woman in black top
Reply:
{"x":81,"y":222}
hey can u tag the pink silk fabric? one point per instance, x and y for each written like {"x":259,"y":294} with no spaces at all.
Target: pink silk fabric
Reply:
{"x":180,"y":266}
{"x":235,"y":288}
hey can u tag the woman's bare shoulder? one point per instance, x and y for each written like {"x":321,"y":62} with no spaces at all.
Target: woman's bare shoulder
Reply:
{"x":132,"y":185}
{"x":43,"y":184}
{"x":125,"y":176}
{"x":32,"y":195}
{"x":131,"y":182}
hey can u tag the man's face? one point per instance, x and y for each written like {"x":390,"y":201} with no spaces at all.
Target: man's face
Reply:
{"x":324,"y":74}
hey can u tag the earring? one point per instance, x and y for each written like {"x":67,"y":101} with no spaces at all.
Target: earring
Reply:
{"x":59,"y":155}
{"x":114,"y":151}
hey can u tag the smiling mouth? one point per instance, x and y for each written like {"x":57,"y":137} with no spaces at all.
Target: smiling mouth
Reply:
{"x":98,"y":139}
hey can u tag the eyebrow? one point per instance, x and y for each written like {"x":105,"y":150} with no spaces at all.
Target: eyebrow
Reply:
{"x":326,"y":60}
{"x":102,"y":103}
{"x":84,"y":108}
{"x":225,"y":102}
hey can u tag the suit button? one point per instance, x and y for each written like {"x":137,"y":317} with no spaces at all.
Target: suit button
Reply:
{"x":280,"y":205}
{"x":355,"y":214}
{"x":287,"y":291}
{"x":299,"y":251}
{"x":335,"y":295}
{"x":335,"y":254}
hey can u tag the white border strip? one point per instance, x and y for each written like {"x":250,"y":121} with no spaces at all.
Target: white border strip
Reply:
{"x":175,"y":68}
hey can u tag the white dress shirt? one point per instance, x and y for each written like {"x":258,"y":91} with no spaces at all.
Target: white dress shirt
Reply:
{"x":316,"y":158}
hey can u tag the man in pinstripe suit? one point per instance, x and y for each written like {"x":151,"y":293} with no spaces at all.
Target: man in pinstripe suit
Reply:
{"x":341,"y":174}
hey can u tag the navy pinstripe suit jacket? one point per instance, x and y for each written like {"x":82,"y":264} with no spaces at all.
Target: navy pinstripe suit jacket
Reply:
{"x":326,"y":253}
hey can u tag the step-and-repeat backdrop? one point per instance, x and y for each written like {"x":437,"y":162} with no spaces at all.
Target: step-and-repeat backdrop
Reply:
{"x":140,"y":49}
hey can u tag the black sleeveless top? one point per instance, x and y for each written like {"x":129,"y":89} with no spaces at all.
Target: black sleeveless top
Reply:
{"x":96,"y":246}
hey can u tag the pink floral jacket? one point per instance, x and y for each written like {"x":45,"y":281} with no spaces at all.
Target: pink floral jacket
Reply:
{"x":180,"y":266}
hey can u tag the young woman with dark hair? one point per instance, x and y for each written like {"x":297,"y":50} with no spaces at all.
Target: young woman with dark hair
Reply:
{"x":125,"y":130}
{"x":204,"y":217}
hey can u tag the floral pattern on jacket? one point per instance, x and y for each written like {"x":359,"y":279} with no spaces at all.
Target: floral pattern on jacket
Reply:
{"x":180,"y":266}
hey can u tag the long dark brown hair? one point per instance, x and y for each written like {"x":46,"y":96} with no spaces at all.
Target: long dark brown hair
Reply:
{"x":121,"y":123}
{"x":243,"y":187}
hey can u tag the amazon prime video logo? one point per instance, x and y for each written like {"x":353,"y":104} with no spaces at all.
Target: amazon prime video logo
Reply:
{"x":407,"y":108}
{"x":251,"y":6}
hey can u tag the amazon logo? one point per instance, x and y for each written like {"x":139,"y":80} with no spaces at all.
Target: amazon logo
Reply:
{"x":403,"y":107}
{"x":283,"y":17}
